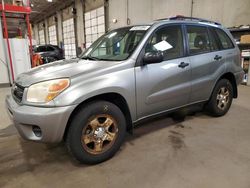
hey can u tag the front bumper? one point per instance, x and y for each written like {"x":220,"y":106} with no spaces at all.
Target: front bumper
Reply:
{"x":51,"y":121}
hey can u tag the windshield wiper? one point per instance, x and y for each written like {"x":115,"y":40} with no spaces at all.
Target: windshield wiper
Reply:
{"x":102,"y":59}
{"x":90,"y":58}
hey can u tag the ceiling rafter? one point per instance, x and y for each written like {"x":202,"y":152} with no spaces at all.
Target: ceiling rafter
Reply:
{"x":43,"y":9}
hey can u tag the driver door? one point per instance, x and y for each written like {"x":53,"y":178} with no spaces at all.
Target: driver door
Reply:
{"x":165,"y":85}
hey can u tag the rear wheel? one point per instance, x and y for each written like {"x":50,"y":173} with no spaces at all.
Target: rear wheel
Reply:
{"x":96,"y":132}
{"x":221,"y":98}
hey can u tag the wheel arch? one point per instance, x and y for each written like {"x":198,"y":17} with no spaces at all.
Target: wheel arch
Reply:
{"x":114,"y":98}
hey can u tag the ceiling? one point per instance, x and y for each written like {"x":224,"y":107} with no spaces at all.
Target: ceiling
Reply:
{"x":42,"y":8}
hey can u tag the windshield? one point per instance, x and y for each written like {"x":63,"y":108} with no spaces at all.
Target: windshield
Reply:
{"x":116,"y":45}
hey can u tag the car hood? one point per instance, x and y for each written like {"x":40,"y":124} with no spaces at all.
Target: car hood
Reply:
{"x":45,"y":53}
{"x":61,"y":69}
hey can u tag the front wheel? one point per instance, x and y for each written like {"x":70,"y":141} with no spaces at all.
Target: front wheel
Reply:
{"x":96,"y":132}
{"x":221,"y":98}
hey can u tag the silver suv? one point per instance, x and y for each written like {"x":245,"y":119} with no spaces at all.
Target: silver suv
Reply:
{"x":127,"y":75}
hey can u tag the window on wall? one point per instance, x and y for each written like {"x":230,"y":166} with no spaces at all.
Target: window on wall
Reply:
{"x":69,"y":38}
{"x":52,"y":35}
{"x":41,"y":37}
{"x":94,"y":25}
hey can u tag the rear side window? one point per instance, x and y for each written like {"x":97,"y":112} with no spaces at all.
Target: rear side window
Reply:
{"x":49,"y":48}
{"x":198,"y":40}
{"x":224,"y":40}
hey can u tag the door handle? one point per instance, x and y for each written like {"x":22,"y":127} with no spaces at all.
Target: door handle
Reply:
{"x":217,"y":57}
{"x":183,"y":65}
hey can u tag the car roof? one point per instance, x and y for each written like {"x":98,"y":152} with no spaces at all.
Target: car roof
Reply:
{"x":40,"y":45}
{"x":45,"y":45}
{"x":159,"y":22}
{"x":182,"y":20}
{"x":176,"y":20}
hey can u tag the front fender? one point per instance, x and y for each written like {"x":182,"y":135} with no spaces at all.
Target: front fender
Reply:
{"x":121,"y":82}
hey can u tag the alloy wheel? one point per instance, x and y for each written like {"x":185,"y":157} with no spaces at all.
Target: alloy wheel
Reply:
{"x":222,"y":98}
{"x":100,"y":134}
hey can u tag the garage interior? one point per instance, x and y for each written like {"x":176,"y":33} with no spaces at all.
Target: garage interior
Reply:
{"x":200,"y":151}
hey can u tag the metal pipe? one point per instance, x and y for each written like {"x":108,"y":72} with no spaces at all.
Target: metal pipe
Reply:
{"x":29,"y":32}
{"x":8,"y":44}
{"x":192,"y":4}
{"x":127,"y":12}
{"x":29,"y":35}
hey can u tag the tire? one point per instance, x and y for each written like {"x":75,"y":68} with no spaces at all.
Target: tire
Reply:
{"x":221,"y":98}
{"x":96,"y":132}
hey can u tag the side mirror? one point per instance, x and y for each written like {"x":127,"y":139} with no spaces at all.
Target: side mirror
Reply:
{"x":153,"y":57}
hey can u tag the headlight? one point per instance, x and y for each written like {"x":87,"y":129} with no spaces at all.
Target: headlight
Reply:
{"x":46,"y":91}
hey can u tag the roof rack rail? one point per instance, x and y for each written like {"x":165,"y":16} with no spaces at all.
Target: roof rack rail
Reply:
{"x":180,"y":17}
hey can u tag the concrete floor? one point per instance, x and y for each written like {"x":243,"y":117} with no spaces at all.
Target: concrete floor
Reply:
{"x":200,"y":152}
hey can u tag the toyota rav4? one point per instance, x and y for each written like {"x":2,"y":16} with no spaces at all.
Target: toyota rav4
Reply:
{"x":127,"y":75}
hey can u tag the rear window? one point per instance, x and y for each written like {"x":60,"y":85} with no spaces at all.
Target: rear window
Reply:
{"x":224,"y":40}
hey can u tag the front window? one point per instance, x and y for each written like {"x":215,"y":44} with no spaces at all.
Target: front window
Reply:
{"x":116,"y":45}
{"x":168,"y":40}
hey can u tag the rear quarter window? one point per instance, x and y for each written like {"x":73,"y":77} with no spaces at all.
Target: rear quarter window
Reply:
{"x":224,"y":39}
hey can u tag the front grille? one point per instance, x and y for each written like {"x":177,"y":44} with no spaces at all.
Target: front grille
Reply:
{"x":17,"y":92}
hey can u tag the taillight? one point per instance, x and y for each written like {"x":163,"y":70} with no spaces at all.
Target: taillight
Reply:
{"x":240,"y":60}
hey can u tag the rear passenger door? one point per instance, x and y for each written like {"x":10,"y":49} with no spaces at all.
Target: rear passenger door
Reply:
{"x":227,"y":52}
{"x":205,"y":60}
